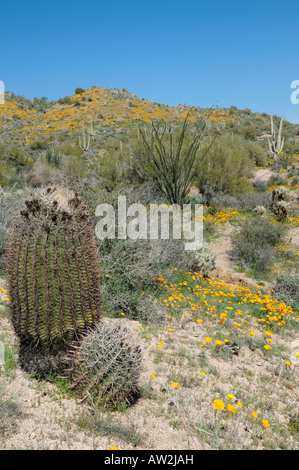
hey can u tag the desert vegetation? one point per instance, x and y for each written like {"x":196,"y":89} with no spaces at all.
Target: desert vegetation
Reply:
{"x":141,"y":344}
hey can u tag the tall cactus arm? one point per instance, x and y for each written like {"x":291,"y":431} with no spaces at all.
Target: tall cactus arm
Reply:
{"x":276,"y":143}
{"x":84,"y":142}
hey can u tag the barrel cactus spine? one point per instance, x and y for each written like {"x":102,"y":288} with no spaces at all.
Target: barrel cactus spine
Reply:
{"x":106,"y":365}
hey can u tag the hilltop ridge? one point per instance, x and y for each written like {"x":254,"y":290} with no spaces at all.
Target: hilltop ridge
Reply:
{"x":24,"y":120}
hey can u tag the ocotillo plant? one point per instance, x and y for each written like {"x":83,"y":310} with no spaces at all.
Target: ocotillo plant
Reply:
{"x":105,"y":367}
{"x":53,"y":277}
{"x":170,"y":165}
{"x":275,"y":144}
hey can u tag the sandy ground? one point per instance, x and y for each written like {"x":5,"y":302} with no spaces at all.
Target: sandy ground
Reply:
{"x":262,"y":174}
{"x":224,"y":266}
{"x":46,"y":419}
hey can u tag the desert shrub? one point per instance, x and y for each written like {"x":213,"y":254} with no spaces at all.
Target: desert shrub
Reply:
{"x":254,"y":243}
{"x":130,"y":266}
{"x":111,"y":168}
{"x":286,"y":289}
{"x":244,"y":202}
{"x":149,"y":310}
{"x":276,"y":180}
{"x":79,"y":90}
{"x":293,"y":170}
{"x":6,"y":174}
{"x":38,"y":145}
{"x":16,"y":156}
{"x":256,"y":153}
{"x":260,"y":185}
{"x":73,"y":166}
{"x":42,"y":173}
{"x":250,"y":132}
{"x":295,"y":180}
{"x":13,"y":163}
{"x":249,"y":201}
{"x":55,"y":167}
{"x":52,"y":157}
{"x":65,"y":100}
{"x":9,"y":203}
{"x":225,"y":170}
{"x":284,"y":161}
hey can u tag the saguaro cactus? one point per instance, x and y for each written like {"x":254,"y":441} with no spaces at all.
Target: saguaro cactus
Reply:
{"x":53,"y":277}
{"x":92,"y":132}
{"x":84,"y":140}
{"x":275,"y":144}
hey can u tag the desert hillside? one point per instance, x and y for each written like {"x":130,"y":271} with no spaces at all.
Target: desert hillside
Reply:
{"x":214,"y":331}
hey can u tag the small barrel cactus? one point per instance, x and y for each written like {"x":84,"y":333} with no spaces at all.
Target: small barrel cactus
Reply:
{"x":106,"y":366}
{"x":53,"y":277}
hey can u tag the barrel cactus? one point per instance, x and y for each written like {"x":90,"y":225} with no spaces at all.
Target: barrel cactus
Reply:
{"x":105,"y":367}
{"x":53,"y":277}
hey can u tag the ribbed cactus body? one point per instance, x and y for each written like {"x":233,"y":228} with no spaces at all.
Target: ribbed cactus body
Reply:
{"x":53,"y":271}
{"x":106,"y":366}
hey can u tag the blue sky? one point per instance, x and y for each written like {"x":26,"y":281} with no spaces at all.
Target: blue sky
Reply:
{"x":195,"y":52}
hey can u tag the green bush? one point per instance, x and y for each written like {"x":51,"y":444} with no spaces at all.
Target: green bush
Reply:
{"x":254,"y":244}
{"x":38,"y":145}
{"x":286,"y":289}
{"x":256,"y":153}
{"x":79,"y":90}
{"x":9,"y":203}
{"x":225,"y":170}
{"x":129,"y":267}
{"x":54,"y":166}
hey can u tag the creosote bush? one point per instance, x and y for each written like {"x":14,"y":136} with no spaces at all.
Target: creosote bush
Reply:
{"x":226,"y":170}
{"x":254,"y":243}
{"x":286,"y":289}
{"x":130,"y":266}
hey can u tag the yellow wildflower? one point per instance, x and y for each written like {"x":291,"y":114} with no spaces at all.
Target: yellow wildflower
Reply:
{"x":218,"y":405}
